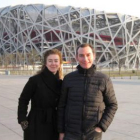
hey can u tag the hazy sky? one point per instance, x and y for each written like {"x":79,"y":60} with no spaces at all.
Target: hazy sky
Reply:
{"x":113,"y":6}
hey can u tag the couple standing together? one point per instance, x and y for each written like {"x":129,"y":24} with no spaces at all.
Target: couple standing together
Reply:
{"x":79,"y":108}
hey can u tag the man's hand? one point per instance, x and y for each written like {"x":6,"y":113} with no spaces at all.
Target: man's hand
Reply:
{"x":61,"y":136}
{"x":98,"y":129}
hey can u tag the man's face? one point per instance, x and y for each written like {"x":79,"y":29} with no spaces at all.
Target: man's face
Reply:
{"x":85,"y":57}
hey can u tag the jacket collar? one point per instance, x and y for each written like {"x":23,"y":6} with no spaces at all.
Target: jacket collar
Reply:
{"x":89,"y":71}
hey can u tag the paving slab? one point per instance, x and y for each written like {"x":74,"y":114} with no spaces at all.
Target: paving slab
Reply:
{"x":125,"y":126}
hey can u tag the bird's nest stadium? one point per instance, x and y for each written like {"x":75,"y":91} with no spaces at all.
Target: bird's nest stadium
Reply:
{"x":27,"y":31}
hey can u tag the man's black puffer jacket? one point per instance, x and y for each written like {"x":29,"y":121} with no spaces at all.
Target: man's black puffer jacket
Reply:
{"x":87,"y":100}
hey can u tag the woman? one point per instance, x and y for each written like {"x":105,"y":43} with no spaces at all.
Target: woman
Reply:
{"x":43,"y":90}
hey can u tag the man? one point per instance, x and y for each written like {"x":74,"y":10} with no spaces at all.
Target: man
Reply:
{"x":87,"y":103}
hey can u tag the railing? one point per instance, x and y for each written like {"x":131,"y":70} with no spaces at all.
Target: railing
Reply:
{"x":123,"y":74}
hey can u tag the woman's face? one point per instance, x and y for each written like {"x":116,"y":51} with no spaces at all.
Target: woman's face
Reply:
{"x":53,"y":63}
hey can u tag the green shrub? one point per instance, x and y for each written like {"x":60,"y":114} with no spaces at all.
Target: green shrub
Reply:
{"x":133,"y":71}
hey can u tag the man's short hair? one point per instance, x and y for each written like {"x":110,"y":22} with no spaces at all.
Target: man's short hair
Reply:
{"x":83,"y":46}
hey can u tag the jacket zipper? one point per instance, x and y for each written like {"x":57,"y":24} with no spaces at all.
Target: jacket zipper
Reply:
{"x":84,"y":99}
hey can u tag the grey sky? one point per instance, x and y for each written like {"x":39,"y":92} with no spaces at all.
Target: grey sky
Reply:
{"x":113,"y":6}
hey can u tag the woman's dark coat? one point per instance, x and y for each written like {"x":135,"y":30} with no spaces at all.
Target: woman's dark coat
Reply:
{"x":43,"y":90}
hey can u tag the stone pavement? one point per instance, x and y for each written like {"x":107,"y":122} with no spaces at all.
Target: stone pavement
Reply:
{"x":126,"y":124}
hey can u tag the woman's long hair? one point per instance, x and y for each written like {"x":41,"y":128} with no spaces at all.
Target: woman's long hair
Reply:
{"x":49,"y":52}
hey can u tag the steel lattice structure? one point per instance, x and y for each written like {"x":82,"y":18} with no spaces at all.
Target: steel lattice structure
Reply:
{"x":27,"y":31}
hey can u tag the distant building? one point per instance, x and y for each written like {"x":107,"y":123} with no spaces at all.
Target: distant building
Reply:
{"x":27,"y":31}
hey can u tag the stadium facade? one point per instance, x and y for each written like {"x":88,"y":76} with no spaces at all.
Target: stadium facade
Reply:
{"x":27,"y":31}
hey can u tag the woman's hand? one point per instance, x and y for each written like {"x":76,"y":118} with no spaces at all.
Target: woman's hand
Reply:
{"x":24,"y":125}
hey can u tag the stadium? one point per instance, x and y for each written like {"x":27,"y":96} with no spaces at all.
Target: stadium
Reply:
{"x":27,"y":31}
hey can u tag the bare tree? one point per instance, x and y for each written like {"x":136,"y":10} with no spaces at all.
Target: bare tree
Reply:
{"x":120,"y":64}
{"x":33,"y":57}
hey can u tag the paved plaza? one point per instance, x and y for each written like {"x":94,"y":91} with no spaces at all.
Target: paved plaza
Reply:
{"x":126,"y":124}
